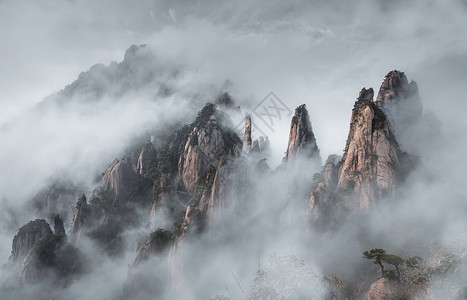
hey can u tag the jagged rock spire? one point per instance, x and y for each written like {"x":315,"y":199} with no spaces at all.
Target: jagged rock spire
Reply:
{"x":82,"y":211}
{"x":204,"y":145}
{"x":116,"y":176}
{"x":371,"y":158}
{"x":396,"y":86}
{"x":302,"y":140}
{"x":247,"y":137}
{"x":147,"y":161}
{"x":59,"y":230}
{"x":27,"y":237}
{"x":401,"y":102}
{"x":158,"y":242}
{"x":366,"y":94}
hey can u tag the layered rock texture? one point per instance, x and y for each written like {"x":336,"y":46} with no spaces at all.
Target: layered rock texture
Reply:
{"x":147,"y":160}
{"x":322,"y":199}
{"x":396,"y":90}
{"x":373,"y":163}
{"x":158,"y":242}
{"x":27,"y":237}
{"x":193,"y":159}
{"x":45,"y":255}
{"x":82,"y":212}
{"x":302,"y":141}
{"x":372,"y":156}
{"x":247,"y":137}
{"x":386,"y":289}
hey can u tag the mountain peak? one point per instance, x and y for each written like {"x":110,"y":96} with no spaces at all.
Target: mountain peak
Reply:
{"x":366,"y":94}
{"x":302,"y":140}
{"x":396,"y":86}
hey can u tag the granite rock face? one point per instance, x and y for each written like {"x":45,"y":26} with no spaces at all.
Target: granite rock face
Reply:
{"x":395,"y":88}
{"x":27,"y":237}
{"x":158,"y":242}
{"x":59,"y":229}
{"x":45,"y":255}
{"x":247,"y":137}
{"x":326,"y":183}
{"x":147,"y":160}
{"x":191,"y":159}
{"x":302,"y":141}
{"x":203,"y":146}
{"x":371,"y":159}
{"x":117,"y":177}
{"x":369,"y":171}
{"x":386,"y":289}
{"x":400,"y":101}
{"x":82,"y":213}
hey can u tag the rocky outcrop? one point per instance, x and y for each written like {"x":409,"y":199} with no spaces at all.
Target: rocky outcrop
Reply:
{"x":147,"y":161}
{"x":188,"y":163}
{"x":45,"y":255}
{"x":202,"y":149}
{"x":158,"y":242}
{"x":117,"y":176}
{"x":324,"y":185}
{"x":27,"y":237}
{"x":400,"y":101}
{"x":302,"y":141}
{"x":417,"y":133}
{"x":247,"y":137}
{"x":371,"y":159}
{"x":261,"y":147}
{"x":370,"y":169}
{"x":56,"y":197}
{"x":122,"y":185}
{"x":190,"y":225}
{"x":396,"y":88}
{"x":82,"y":213}
{"x":387,"y":289}
{"x":216,"y":197}
{"x":59,"y":230}
{"x":53,"y":259}
{"x":134,"y":73}
{"x":161,"y":188}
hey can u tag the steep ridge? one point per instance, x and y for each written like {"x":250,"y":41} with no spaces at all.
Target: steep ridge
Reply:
{"x":302,"y":141}
{"x":27,"y":237}
{"x":371,"y":159}
{"x":46,"y":255}
{"x":395,"y":91}
{"x":370,"y":169}
{"x":139,"y":70}
{"x":418,"y":133}
{"x":82,"y":211}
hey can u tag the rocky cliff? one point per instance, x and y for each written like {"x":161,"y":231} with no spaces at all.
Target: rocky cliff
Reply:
{"x":302,"y":141}
{"x":418,"y":133}
{"x":158,"y":242}
{"x":191,"y":159}
{"x":27,"y":237}
{"x":395,"y":90}
{"x":371,"y":158}
{"x":46,"y":255}
{"x":147,"y":161}
{"x":247,"y":136}
{"x":386,"y":289}
{"x":82,"y":212}
{"x":369,"y":171}
{"x":324,"y":184}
